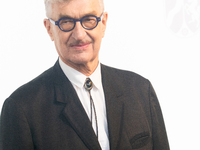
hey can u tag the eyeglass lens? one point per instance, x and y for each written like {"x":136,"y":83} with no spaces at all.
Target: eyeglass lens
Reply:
{"x":87,"y":22}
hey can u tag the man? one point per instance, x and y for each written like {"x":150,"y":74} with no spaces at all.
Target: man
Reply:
{"x":80,"y":104}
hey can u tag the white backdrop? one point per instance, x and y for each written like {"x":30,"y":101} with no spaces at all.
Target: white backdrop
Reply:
{"x":158,"y":39}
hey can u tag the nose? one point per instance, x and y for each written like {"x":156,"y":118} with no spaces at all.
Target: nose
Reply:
{"x":78,"y":33}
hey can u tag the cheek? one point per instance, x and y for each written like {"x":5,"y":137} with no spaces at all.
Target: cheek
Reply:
{"x":60,"y":40}
{"x":97,"y":37}
{"x":98,"y":42}
{"x":60,"y":45}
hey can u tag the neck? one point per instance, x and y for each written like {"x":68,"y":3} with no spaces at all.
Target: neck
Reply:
{"x":85,"y":68}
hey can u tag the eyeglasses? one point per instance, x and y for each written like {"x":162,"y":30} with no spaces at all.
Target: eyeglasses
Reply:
{"x":68,"y":24}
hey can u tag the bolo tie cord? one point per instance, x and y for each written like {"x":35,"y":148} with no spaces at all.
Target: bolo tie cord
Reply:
{"x":88,"y":86}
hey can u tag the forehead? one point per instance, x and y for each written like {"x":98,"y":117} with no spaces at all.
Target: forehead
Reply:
{"x":75,"y":8}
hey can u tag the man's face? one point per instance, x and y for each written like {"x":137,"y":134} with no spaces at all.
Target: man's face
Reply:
{"x":79,"y":46}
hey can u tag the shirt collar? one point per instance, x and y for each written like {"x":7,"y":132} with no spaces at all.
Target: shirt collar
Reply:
{"x":78,"y":79}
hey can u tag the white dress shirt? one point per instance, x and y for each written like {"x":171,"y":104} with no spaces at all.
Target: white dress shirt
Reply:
{"x":78,"y":79}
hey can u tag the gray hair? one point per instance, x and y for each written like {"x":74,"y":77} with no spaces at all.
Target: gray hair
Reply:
{"x":49,"y":2}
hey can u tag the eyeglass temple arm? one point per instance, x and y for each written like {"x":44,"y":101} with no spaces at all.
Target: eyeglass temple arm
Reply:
{"x":102,"y":15}
{"x":53,"y":22}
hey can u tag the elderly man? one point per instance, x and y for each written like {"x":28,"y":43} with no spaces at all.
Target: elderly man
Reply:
{"x":80,"y":104}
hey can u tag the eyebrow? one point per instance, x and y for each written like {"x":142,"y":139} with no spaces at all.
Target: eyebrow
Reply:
{"x":87,"y":14}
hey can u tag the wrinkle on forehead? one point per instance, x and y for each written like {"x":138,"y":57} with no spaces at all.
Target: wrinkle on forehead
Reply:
{"x":80,"y":16}
{"x":75,"y":9}
{"x":97,"y":5}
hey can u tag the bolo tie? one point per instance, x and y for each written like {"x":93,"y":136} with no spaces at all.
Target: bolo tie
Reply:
{"x":88,"y":86}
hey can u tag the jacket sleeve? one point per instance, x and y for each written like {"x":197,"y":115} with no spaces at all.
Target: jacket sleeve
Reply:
{"x":15,"y":133}
{"x":159,"y":135}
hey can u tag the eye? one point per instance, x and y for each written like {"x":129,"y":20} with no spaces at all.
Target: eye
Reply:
{"x":89,"y":19}
{"x":66,"y":24}
{"x":66,"y":21}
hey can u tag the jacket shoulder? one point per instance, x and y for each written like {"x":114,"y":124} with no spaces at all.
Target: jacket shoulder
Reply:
{"x":124,"y":75}
{"x":33,"y":87}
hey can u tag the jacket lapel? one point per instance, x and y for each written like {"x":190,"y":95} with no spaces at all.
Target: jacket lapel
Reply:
{"x":74,"y":111}
{"x":76,"y":115}
{"x":114,"y":106}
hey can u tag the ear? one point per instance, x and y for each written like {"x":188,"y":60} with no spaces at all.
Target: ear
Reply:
{"x":48,"y":26}
{"x":104,"y":22}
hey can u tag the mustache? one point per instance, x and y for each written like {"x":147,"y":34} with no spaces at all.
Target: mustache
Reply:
{"x":79,"y":42}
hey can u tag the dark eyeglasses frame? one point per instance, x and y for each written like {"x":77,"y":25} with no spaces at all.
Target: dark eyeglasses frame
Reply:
{"x":76,"y":20}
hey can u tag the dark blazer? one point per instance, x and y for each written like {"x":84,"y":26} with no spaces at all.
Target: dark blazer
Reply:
{"x":46,"y":114}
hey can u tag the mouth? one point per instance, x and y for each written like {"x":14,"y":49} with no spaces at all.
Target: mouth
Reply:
{"x":80,"y":46}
